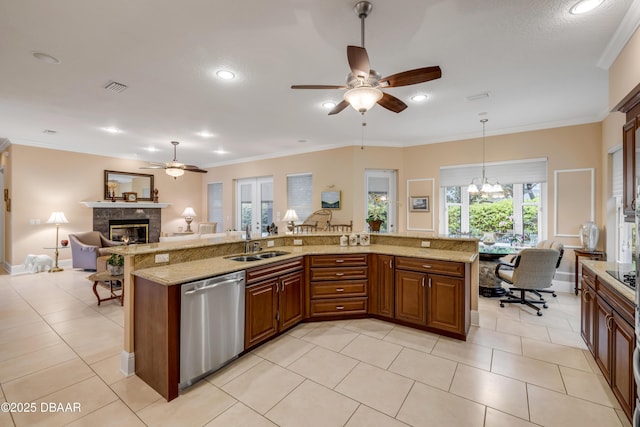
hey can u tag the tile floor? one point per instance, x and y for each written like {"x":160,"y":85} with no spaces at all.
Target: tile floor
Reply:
{"x":516,"y":369}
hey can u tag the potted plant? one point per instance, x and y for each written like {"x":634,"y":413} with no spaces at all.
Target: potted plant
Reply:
{"x":115,"y":264}
{"x":376,"y":212}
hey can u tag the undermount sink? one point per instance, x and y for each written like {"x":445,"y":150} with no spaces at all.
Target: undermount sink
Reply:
{"x":256,"y":256}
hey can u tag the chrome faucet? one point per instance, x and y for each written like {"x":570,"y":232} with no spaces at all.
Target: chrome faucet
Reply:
{"x":247,"y":240}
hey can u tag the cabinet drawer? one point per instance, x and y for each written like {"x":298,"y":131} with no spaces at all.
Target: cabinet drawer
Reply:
{"x":339,"y":273}
{"x":430,"y":266}
{"x":335,"y":307}
{"x":274,"y":270}
{"x":338,"y":260}
{"x":355,"y":288}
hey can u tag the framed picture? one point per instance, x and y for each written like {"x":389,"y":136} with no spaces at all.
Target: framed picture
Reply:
{"x":130,"y":196}
{"x":419,"y":204}
{"x":330,"y":199}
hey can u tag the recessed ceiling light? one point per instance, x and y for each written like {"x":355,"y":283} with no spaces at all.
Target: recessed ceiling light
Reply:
{"x":205,"y":134}
{"x":225,"y":74}
{"x":112,"y":130}
{"x":302,"y":141}
{"x":419,"y":98}
{"x":45,"y":57}
{"x":328,"y":104}
{"x":220,"y":151}
{"x":584,"y":6}
{"x":152,"y":149}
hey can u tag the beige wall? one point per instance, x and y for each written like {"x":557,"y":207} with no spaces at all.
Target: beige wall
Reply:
{"x":624,"y":72}
{"x":43,"y":180}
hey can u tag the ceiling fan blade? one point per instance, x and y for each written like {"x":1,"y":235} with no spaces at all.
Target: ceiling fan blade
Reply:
{"x":153,"y":167}
{"x":317,"y":87}
{"x":411,"y":77}
{"x":358,"y":61}
{"x":192,"y":168}
{"x":339,"y":107}
{"x":391,"y":103}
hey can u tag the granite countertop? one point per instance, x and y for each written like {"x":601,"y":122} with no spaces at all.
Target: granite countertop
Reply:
{"x":184,"y":272}
{"x":601,"y":267}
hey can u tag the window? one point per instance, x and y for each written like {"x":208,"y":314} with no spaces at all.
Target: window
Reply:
{"x":300,"y":194}
{"x":214,"y":193}
{"x":254,"y":204}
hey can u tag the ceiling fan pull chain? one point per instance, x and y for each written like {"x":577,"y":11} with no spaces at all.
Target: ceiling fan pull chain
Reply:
{"x":362,"y":143}
{"x":362,"y":17}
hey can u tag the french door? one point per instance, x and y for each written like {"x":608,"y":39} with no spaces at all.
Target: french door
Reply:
{"x":254,"y":204}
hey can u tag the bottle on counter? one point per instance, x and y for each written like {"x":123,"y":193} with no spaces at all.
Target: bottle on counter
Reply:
{"x":353,"y":239}
{"x":344,"y":240}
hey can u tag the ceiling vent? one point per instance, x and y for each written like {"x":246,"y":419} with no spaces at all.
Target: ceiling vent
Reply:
{"x":115,"y":86}
{"x":478,"y":96}
{"x":49,"y":131}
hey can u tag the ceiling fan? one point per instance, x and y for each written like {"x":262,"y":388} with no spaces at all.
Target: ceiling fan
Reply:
{"x":174,"y":168}
{"x":364,"y":83}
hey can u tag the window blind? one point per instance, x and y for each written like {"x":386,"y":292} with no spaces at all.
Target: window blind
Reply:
{"x":616,"y":170}
{"x":512,"y":172}
{"x":300,"y":194}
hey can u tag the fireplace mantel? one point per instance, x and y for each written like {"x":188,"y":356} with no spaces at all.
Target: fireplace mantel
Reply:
{"x":120,"y":205}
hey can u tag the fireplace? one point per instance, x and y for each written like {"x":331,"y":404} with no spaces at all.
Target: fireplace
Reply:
{"x":129,"y":230}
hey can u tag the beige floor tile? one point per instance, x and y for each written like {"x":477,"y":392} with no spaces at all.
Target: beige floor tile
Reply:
{"x":493,"y":390}
{"x":90,"y":394}
{"x":487,"y":319}
{"x":412,"y":338}
{"x":195,"y":406}
{"x":240,"y":415}
{"x":367,"y":417}
{"x":323,"y":366}
{"x":262,"y":386}
{"x":311,"y":404}
{"x":332,"y":337}
{"x":623,"y":418}
{"x":534,"y":371}
{"x":283,"y":350}
{"x":496,"y":418}
{"x":588,"y":386}
{"x":427,"y":406}
{"x":464,"y":352}
{"x":568,"y":338}
{"x":552,"y":319}
{"x":109,"y":369}
{"x":135,"y":393}
{"x":25,"y":345}
{"x":523,"y":329}
{"x":35,"y":361}
{"x":237,"y":367}
{"x":375,"y":387}
{"x":428,"y":369}
{"x":552,"y":409}
{"x":8,"y":335}
{"x":495,"y":339}
{"x":302,"y":329}
{"x":372,"y":350}
{"x":372,"y":327}
{"x":592,"y":362}
{"x":554,"y":353}
{"x":115,"y":414}
{"x":69,"y":314}
{"x":41,"y":383}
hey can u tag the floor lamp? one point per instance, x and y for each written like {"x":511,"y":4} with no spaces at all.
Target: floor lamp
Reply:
{"x":57,"y":218}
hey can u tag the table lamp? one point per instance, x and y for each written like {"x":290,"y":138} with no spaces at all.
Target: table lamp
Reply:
{"x":188,"y":215}
{"x":290,"y":216}
{"x":57,"y":218}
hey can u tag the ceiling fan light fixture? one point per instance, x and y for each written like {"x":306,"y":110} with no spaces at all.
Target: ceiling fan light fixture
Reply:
{"x":174,"y":171}
{"x":363,"y":98}
{"x":584,"y":6}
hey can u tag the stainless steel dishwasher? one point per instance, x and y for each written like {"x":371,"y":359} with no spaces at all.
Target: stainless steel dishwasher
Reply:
{"x":211,"y":325}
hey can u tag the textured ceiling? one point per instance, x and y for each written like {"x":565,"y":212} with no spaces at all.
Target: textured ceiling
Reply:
{"x":538,"y":63}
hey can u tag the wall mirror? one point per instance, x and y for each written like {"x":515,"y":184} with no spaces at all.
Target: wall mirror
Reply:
{"x":117,"y":183}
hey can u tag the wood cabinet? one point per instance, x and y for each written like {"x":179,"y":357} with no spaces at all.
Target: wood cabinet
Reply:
{"x":445,"y":299}
{"x":382,"y":287}
{"x":630,"y":106}
{"x":606,"y":326}
{"x":338,"y":285}
{"x":410,"y":297}
{"x":274,"y":300}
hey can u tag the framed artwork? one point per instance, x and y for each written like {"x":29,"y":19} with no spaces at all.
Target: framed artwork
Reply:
{"x":419,"y":204}
{"x":330,"y":199}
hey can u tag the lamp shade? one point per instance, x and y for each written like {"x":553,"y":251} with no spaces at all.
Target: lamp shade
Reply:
{"x":363,"y":98}
{"x":174,"y":172}
{"x":57,"y":218}
{"x":290,"y":215}
{"x":188,"y":212}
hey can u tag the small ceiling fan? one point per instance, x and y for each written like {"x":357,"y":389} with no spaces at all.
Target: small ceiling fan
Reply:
{"x":174,"y":168}
{"x":364,"y":83}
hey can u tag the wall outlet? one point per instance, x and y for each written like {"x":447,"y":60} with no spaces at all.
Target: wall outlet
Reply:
{"x":162,"y":258}
{"x":425,"y":244}
{"x":297,"y":242}
{"x":270,"y":243}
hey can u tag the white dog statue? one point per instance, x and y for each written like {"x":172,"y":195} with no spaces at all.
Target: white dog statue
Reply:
{"x":38,"y":263}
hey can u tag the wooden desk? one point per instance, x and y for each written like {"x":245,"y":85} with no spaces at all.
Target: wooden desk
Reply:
{"x":113,"y":284}
{"x":594,"y":255}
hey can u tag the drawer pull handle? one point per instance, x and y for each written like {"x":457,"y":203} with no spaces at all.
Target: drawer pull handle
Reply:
{"x":339,"y":289}
{"x":423,"y":282}
{"x":426,"y":265}
{"x":339,"y":261}
{"x":339,"y":274}
{"x":429,"y":281}
{"x":339,"y":307}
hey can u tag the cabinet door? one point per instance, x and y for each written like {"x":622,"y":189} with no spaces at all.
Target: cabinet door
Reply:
{"x":410,"y":297}
{"x":385,"y":286}
{"x":291,"y":299}
{"x":629,"y":167}
{"x":587,"y":321}
{"x":603,"y":318}
{"x":261,"y":306}
{"x":445,"y":303}
{"x":622,"y":345}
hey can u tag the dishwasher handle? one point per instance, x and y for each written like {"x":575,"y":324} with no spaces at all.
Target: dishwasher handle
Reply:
{"x":212,"y":286}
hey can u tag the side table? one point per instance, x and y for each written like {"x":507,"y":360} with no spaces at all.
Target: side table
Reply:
{"x":113,"y":284}
{"x":593,"y":255}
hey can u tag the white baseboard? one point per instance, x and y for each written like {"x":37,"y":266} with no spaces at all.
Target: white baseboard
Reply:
{"x":21,"y":269}
{"x":127,"y":363}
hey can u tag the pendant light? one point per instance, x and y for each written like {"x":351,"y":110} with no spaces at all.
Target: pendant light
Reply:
{"x":487,"y":189}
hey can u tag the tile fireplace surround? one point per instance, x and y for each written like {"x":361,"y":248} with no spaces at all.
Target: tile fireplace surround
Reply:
{"x":102,"y":216}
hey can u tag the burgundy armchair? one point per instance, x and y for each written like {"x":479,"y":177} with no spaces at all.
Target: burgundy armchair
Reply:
{"x":87,"y":247}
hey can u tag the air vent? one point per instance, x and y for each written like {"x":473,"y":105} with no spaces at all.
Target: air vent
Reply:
{"x":478,"y":96}
{"x":115,"y":87}
{"x":49,"y":131}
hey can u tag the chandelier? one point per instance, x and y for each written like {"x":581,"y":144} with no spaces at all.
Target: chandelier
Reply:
{"x":488,"y":188}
